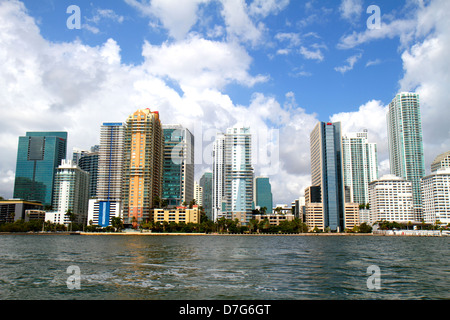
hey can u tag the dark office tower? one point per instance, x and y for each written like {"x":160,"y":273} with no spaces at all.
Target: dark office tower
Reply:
{"x":88,"y":161}
{"x":178,"y":166}
{"x":263,"y":194}
{"x":38,"y":156}
{"x":326,"y":172}
{"x":206,"y":183}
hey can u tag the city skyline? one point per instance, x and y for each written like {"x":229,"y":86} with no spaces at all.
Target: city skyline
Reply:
{"x":78,"y":79}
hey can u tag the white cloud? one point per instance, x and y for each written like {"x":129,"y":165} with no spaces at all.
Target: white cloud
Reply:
{"x":201,"y":63}
{"x":265,"y":7}
{"x":239,"y":25}
{"x":351,"y":61}
{"x":311,"y":54}
{"x":177,"y":16}
{"x":351,"y":10}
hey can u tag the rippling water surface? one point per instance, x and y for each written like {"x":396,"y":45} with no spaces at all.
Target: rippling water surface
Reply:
{"x":223,"y":267}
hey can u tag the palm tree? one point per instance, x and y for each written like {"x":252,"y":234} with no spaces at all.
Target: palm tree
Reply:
{"x":71,"y":216}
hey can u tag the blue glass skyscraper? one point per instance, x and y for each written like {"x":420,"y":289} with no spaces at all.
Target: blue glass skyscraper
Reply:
{"x":326,"y":172}
{"x":38,"y":156}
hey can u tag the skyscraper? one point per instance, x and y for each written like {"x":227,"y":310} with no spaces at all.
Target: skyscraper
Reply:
{"x":238,"y":184}
{"x":218,"y":176}
{"x":263,"y":194}
{"x":87,"y":160}
{"x":108,"y":202}
{"x":206,"y":184}
{"x":71,"y":191}
{"x":178,"y":167}
{"x":360,"y":165}
{"x":198,"y":194}
{"x":38,"y":156}
{"x":405,"y":142}
{"x":327,"y":173}
{"x":143,"y":165}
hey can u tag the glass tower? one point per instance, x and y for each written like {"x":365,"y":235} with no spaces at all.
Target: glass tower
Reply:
{"x":263,"y":194}
{"x":38,"y":156}
{"x":178,"y":167}
{"x":405,"y":142}
{"x":326,"y":172}
{"x":206,"y":184}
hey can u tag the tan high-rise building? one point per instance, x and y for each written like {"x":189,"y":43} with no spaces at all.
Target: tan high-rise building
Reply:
{"x":143,"y":165}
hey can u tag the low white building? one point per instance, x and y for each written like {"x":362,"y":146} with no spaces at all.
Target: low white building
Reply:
{"x":391,"y":199}
{"x":100,"y":213}
{"x":436,"y":196}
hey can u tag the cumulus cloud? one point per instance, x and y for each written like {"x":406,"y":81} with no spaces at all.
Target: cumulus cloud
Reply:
{"x":351,"y":9}
{"x":350,"y":64}
{"x":177,"y":16}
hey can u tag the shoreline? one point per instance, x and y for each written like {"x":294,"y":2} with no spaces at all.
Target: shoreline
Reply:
{"x":342,"y":234}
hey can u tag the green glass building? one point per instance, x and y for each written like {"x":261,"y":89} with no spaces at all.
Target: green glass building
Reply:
{"x":38,"y":156}
{"x":263,"y":194}
{"x":178,"y":165}
{"x":405,"y":143}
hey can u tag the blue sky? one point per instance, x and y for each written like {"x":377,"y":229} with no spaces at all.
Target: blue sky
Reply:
{"x":278,"y":66}
{"x":314,"y":26}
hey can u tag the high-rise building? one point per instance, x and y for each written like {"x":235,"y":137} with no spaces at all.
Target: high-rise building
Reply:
{"x":233,"y":175}
{"x":263,"y":194}
{"x":436,"y":196}
{"x":71,"y":191}
{"x":360,"y":165}
{"x":143,"y":166}
{"x":108,"y":202}
{"x":391,"y":199}
{"x":206,"y":185}
{"x":198,"y":194}
{"x":442,"y":161}
{"x":178,"y":167}
{"x":87,"y":160}
{"x":238,"y":193}
{"x":405,"y":142}
{"x":218,"y":176}
{"x":327,"y":173}
{"x":38,"y":156}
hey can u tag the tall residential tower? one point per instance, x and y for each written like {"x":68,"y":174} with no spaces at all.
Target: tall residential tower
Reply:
{"x":360,"y":165}
{"x":405,"y":143}
{"x":143,"y":165}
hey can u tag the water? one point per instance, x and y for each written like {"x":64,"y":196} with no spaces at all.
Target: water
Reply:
{"x":223,"y":267}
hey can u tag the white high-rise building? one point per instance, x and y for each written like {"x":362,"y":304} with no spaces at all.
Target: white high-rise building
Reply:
{"x":233,"y":175}
{"x":71,"y":191}
{"x":360,"y":165}
{"x":198,"y":194}
{"x":391,"y":199}
{"x":218,"y":180}
{"x":108,"y":203}
{"x":238,"y":174}
{"x":436,"y":196}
